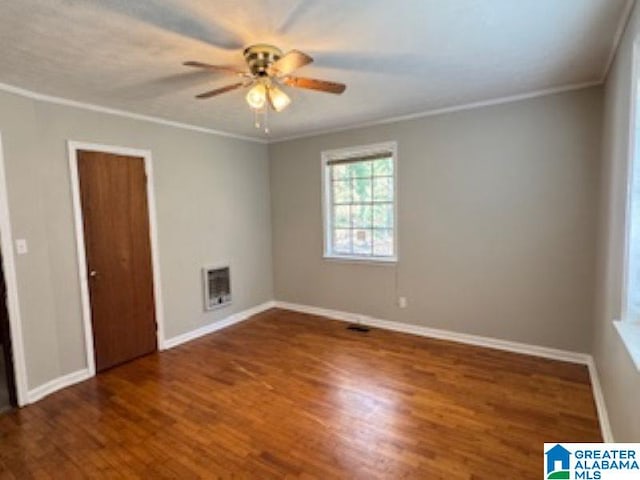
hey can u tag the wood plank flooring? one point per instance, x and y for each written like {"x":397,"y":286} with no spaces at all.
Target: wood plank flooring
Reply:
{"x":287,"y":395}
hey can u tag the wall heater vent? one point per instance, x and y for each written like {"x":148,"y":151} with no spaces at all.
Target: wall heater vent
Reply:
{"x":217,"y":287}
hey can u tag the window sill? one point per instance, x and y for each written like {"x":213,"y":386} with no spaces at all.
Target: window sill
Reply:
{"x":361,"y":260}
{"x":630,"y":334}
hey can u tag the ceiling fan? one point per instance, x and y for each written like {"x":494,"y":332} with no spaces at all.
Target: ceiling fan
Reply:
{"x":269,"y":69}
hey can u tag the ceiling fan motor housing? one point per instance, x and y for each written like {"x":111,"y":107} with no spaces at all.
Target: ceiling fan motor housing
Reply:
{"x":260,"y":57}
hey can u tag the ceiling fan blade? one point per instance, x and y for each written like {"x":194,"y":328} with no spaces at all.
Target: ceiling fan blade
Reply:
{"x":218,"y":91}
{"x":293,"y":60}
{"x":215,"y":68}
{"x":187,"y":22}
{"x":314,"y":84}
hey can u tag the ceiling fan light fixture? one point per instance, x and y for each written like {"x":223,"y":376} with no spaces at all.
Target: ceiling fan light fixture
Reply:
{"x":257,"y":96}
{"x":268,"y":69}
{"x":278,"y":99}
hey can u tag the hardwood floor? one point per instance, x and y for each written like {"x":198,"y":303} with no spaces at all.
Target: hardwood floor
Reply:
{"x":287,"y":395}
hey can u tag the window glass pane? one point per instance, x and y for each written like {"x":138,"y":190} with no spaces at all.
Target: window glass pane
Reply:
{"x":633,"y":266}
{"x":383,"y":189}
{"x":342,"y":241}
{"x":362,"y":190}
{"x":342,"y":191}
{"x":383,"y":242}
{"x":359,"y":169}
{"x":362,"y":242}
{"x":361,"y":207}
{"x":383,"y":215}
{"x":342,"y":216}
{"x":339,"y":172}
{"x":384,"y":166}
{"x":361,"y":216}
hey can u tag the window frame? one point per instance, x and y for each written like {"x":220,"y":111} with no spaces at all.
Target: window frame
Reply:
{"x":629,"y":328}
{"x":632,"y":163}
{"x":327,"y":200}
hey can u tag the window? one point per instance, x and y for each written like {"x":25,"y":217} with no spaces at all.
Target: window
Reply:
{"x":359,"y":186}
{"x":632,"y":300}
{"x":629,"y":326}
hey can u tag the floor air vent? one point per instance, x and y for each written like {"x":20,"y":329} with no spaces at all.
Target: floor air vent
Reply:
{"x":358,"y":327}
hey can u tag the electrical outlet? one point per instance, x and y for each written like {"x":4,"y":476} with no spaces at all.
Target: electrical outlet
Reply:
{"x":21,"y":246}
{"x":402,"y":302}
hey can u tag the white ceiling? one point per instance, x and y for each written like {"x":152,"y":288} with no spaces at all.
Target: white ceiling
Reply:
{"x":397,"y":57}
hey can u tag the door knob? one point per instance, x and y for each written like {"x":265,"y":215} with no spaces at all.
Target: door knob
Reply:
{"x":93,"y":274}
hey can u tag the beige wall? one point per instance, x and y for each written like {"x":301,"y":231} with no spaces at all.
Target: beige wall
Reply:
{"x":619,"y":378}
{"x":496,"y":215}
{"x":212,"y":198}
{"x":497,"y":222}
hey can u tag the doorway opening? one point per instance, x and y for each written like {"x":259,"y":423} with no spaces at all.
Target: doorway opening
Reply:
{"x":8,"y":397}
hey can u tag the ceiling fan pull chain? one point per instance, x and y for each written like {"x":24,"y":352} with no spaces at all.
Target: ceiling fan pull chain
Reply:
{"x":261,"y":118}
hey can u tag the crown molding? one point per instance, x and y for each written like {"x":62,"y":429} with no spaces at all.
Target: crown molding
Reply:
{"x":427,"y":113}
{"x":121,"y":113}
{"x":622,"y":26}
{"x":445,"y":110}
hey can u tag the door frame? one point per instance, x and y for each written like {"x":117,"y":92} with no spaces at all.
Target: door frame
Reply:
{"x":73,"y":148}
{"x":11,"y":281}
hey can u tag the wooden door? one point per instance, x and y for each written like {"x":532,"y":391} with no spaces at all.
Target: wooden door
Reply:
{"x":118,"y":250}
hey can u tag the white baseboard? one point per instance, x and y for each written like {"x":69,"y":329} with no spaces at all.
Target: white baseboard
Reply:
{"x":56,"y":384}
{"x":64,"y":381}
{"x":601,"y":406}
{"x":212,"y":327}
{"x":575,"y":357}
{"x":487,"y":342}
